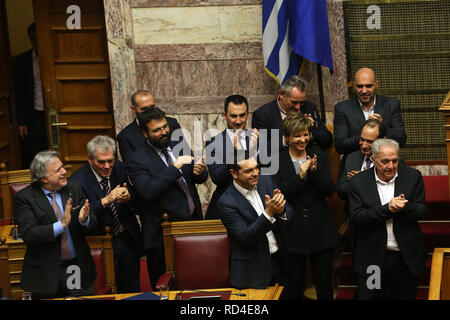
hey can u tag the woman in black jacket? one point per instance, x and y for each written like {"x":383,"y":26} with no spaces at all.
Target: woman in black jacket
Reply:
{"x":305,"y":180}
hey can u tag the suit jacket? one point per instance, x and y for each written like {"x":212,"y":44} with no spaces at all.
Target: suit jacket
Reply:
{"x":312,"y":227}
{"x":131,"y":137}
{"x":95,"y":193}
{"x":353,"y":161}
{"x":35,"y":217}
{"x":218,"y":150}
{"x":158,"y":192}
{"x":368,"y":218}
{"x":250,"y":261}
{"x":268,"y":117}
{"x":24,"y":87}
{"x":349,"y":119}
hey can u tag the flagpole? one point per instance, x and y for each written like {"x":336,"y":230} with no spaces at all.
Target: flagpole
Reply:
{"x":321,"y":95}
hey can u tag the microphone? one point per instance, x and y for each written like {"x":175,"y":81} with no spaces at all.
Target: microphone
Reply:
{"x":214,"y":292}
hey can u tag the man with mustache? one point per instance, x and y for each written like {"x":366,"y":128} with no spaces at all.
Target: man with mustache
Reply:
{"x":386,"y":202}
{"x":164,"y":177}
{"x":350,"y":115}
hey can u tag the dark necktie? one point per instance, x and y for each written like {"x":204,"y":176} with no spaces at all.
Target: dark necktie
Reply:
{"x":65,"y":249}
{"x":368,"y":163}
{"x":112,"y":206}
{"x":182,"y":183}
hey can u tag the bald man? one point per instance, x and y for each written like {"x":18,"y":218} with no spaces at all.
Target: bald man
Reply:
{"x":350,"y":115}
{"x":131,"y":137}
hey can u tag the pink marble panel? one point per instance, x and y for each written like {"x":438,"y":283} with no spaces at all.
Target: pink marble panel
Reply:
{"x":206,"y":51}
{"x":189,"y":3}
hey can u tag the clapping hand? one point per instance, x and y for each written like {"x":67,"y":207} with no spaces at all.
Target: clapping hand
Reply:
{"x":275,"y":205}
{"x":397,"y":203}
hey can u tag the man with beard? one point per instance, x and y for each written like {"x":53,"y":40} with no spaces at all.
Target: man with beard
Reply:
{"x":350,"y":115}
{"x":165,"y":183}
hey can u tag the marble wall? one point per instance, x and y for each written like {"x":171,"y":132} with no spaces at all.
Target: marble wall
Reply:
{"x":191,"y":54}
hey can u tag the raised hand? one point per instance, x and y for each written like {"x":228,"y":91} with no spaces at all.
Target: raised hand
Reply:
{"x":84,"y":211}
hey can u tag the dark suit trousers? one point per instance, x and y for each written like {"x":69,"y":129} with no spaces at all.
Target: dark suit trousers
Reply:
{"x":156,"y":264}
{"x":397,"y":283}
{"x":321,"y":269}
{"x":63,"y":290}
{"x":126,"y":263}
{"x":36,"y":140}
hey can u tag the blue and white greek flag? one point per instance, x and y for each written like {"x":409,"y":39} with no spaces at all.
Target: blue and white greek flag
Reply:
{"x":293,"y":30}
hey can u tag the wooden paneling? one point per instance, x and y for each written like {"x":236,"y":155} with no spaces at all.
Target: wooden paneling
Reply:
{"x":75,"y":72}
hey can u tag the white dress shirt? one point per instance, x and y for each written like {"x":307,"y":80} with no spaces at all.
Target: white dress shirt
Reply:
{"x":363,"y":167}
{"x":369,"y":112}
{"x":241,"y":137}
{"x":255,"y":200}
{"x":386,"y":193}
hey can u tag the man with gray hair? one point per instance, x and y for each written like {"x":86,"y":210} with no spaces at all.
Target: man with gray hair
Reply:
{"x":52,"y":214}
{"x":386,"y":202}
{"x":104,"y":180}
{"x":291,"y":98}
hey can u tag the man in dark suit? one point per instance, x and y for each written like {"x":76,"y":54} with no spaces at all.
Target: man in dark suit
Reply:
{"x":29,"y":101}
{"x":252,"y":208}
{"x":292,"y":98}
{"x":220,"y":148}
{"x":386,"y":203}
{"x":52,"y":214}
{"x":104,"y":179}
{"x":360,"y":159}
{"x":350,"y":115}
{"x":131,"y":137}
{"x":164,"y":177}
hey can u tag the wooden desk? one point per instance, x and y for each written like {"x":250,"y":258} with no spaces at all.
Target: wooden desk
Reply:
{"x":13,"y":251}
{"x":270,"y":293}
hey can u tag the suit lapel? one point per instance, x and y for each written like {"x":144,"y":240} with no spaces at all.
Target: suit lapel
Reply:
{"x":357,"y":162}
{"x":358,"y":114}
{"x":244,"y":203}
{"x":276,"y":116}
{"x":43,"y":202}
{"x":372,"y":186}
{"x":399,"y":184}
{"x":93,"y":184}
{"x":379,"y":106}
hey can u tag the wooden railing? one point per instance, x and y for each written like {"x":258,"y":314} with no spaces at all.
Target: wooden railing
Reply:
{"x":445,"y":108}
{"x":440,"y":275}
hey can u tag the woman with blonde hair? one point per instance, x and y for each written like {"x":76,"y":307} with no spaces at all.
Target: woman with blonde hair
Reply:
{"x":305,"y":180}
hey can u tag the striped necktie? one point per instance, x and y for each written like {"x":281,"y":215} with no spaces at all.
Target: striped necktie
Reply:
{"x":65,"y":249}
{"x":182,"y":183}
{"x":112,"y":206}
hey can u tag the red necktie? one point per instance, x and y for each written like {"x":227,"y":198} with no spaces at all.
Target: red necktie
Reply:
{"x":182,"y":184}
{"x":65,"y":249}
